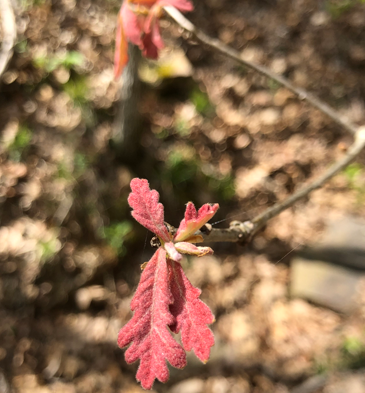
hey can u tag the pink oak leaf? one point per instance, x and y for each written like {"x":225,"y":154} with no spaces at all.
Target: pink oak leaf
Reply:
{"x":194,"y":220}
{"x":138,"y":23}
{"x":147,"y":331}
{"x":146,"y":209}
{"x":192,"y":315}
{"x":165,"y":298}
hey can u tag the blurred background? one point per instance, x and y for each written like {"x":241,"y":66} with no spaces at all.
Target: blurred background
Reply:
{"x":289,"y":306}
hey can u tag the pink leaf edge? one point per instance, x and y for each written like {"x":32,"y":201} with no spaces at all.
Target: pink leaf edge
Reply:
{"x":194,"y":220}
{"x":192,"y":315}
{"x":146,"y":209}
{"x":147,"y":331}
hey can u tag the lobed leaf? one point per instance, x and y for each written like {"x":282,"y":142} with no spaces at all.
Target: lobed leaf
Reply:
{"x":147,"y":331}
{"x":194,"y":220}
{"x":146,"y":209}
{"x":191,"y":314}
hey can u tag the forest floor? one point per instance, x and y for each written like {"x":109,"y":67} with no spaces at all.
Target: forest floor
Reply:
{"x":212,"y":132}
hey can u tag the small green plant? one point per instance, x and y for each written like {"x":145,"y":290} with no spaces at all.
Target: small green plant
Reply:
{"x":353,"y":353}
{"x":223,"y":186}
{"x":338,"y":7}
{"x":20,"y":143}
{"x":353,"y":171}
{"x":355,"y":174}
{"x":182,"y":127}
{"x":273,"y":85}
{"x":48,"y":249}
{"x":21,"y":46}
{"x":68,"y":60}
{"x":201,"y":102}
{"x":72,"y":173}
{"x":183,"y":169}
{"x":162,"y":133}
{"x":26,"y":4}
{"x":81,"y":163}
{"x":64,"y":171}
{"x":116,"y":235}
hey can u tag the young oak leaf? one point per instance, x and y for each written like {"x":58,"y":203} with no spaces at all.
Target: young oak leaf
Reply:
{"x":146,"y":209}
{"x":165,"y":298}
{"x":194,"y":220}
{"x":148,"y":332}
{"x":192,"y":315}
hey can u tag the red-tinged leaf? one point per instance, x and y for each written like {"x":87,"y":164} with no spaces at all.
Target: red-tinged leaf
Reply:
{"x":121,"y":49}
{"x":194,"y":220}
{"x":148,"y":331}
{"x":132,"y":24}
{"x":191,"y":249}
{"x":192,"y":315}
{"x":149,"y":49}
{"x":146,"y":209}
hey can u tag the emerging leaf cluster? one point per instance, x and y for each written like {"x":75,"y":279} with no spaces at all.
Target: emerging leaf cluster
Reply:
{"x":165,"y":300}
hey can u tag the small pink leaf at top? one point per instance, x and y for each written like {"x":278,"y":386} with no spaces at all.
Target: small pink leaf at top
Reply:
{"x":147,"y":331}
{"x":121,"y":49}
{"x":192,"y":315}
{"x":194,"y":220}
{"x":191,"y":249}
{"x":146,"y":209}
{"x":133,"y":24}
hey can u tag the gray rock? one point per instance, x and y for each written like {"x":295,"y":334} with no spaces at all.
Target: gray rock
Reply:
{"x":325,"y":284}
{"x":329,"y":272}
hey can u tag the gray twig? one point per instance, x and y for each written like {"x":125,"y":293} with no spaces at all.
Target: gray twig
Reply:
{"x":233,"y":54}
{"x":242,"y":231}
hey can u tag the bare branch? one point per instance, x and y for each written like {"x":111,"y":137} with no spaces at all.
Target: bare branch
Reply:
{"x":9,"y":33}
{"x":352,"y":153}
{"x":242,"y":231}
{"x":249,"y":228}
{"x":233,"y":54}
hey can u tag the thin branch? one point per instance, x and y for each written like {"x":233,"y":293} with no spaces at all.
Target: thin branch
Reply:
{"x":352,"y":153}
{"x":233,"y":54}
{"x":9,"y":33}
{"x":240,"y":232}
